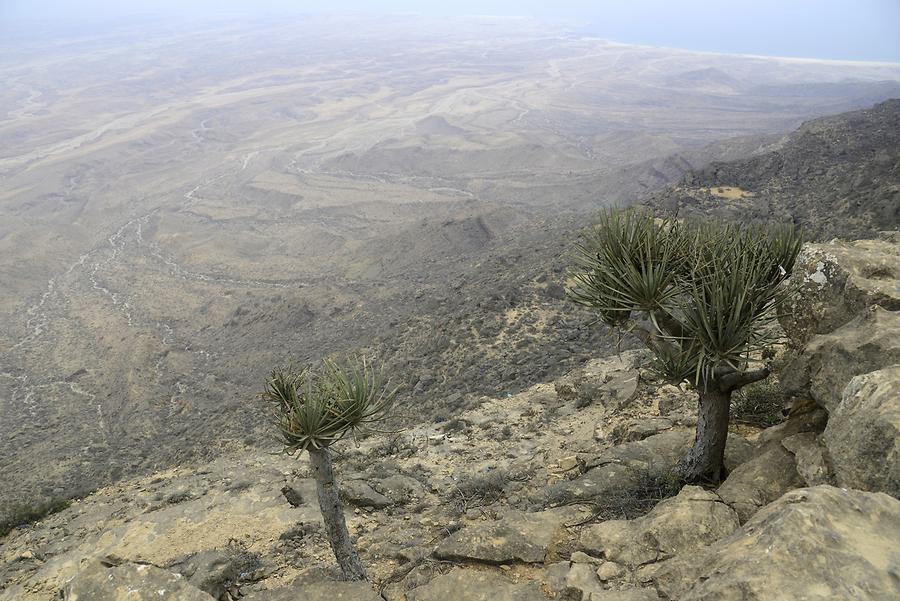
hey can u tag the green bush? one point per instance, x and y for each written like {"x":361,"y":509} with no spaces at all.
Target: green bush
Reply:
{"x":22,"y":514}
{"x":759,"y":404}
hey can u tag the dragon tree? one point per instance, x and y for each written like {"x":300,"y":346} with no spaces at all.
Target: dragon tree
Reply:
{"x":701,"y":295}
{"x":315,"y":408}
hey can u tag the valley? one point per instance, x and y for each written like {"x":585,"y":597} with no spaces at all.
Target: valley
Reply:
{"x":184,"y":207}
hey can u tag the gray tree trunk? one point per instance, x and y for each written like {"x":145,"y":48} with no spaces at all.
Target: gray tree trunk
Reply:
{"x":333,"y":514}
{"x":705,"y":462}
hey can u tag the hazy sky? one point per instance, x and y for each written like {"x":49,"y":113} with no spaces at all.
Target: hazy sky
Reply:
{"x":839,"y":29}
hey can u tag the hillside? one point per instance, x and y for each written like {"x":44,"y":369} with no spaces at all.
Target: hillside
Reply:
{"x":836,"y":176}
{"x":172,"y":231}
{"x":559,"y":492}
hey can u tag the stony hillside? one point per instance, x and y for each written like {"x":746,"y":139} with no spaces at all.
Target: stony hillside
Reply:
{"x":558,"y":492}
{"x":836,"y":176}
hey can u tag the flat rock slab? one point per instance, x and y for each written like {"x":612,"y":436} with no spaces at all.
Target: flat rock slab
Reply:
{"x":318,"y":591}
{"x":517,"y":537}
{"x":622,"y":466}
{"x":760,"y":481}
{"x":817,"y":544}
{"x":130,"y":582}
{"x":475,"y":585}
{"x":360,"y":494}
{"x":685,"y":523}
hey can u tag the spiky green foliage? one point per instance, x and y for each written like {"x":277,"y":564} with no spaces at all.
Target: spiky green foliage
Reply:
{"x":316,"y":408}
{"x":700,"y":294}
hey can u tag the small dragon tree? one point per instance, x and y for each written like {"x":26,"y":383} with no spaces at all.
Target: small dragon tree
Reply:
{"x":316,"y":408}
{"x":701,"y":296}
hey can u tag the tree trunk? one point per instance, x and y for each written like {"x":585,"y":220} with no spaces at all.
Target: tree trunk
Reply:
{"x":705,"y":462}
{"x":333,"y":514}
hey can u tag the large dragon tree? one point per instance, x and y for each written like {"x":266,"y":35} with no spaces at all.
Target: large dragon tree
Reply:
{"x":315,"y":408}
{"x":701,"y":296}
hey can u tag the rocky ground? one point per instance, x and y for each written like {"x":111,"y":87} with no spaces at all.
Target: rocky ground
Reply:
{"x":558,"y":492}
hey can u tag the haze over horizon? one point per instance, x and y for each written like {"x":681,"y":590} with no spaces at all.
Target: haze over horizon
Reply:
{"x":830,"y":29}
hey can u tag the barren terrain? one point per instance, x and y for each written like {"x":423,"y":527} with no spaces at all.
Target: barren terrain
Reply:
{"x":184,"y":207}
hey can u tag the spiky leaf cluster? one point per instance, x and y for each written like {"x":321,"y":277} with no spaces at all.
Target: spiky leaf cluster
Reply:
{"x":706,"y":291}
{"x":314,"y":408}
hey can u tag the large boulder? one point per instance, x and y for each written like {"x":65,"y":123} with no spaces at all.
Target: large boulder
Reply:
{"x":693,"y":519}
{"x":815,"y":544}
{"x":215,"y":571}
{"x":609,"y":381}
{"x":463,"y":584}
{"x":360,"y":494}
{"x":626,"y":466}
{"x":863,"y":433}
{"x":867,"y":343}
{"x":98,"y":581}
{"x":517,"y":537}
{"x":837,"y":281}
{"x":760,"y":481}
{"x":809,"y":457}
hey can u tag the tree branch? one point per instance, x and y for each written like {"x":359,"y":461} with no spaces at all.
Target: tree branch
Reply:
{"x":669,"y":324}
{"x":651,"y":340}
{"x":739,"y":379}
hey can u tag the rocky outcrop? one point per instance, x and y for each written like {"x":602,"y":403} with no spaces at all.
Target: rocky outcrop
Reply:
{"x":809,"y":458}
{"x":609,"y":383}
{"x":760,"y":481}
{"x":215,"y":571}
{"x":863,"y":433}
{"x":517,"y":537}
{"x":685,"y":523}
{"x":475,"y":585}
{"x":626,"y":465}
{"x":837,"y":281}
{"x":360,"y":494}
{"x":867,"y":343}
{"x":97,"y":581}
{"x":817,"y":544}
{"x":317,"y":590}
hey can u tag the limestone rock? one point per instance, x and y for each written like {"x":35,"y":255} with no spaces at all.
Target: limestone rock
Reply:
{"x":863,"y":433}
{"x":475,"y":585}
{"x":623,"y":466}
{"x":517,"y":537}
{"x":809,"y":458}
{"x":639,"y":429}
{"x":361,"y":494}
{"x":129,"y":582}
{"x":317,"y":590}
{"x":215,"y":571}
{"x":555,"y":577}
{"x":610,"y":570}
{"x":816,"y":544}
{"x":693,"y":519}
{"x":610,"y":381}
{"x":632,"y":594}
{"x":813,"y":419}
{"x":867,"y":343}
{"x":760,"y":481}
{"x":582,"y":581}
{"x":399,"y":488}
{"x":837,"y":281}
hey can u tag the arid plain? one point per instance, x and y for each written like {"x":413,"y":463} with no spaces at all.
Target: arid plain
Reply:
{"x":184,"y":207}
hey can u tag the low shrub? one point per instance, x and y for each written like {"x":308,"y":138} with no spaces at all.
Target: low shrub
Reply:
{"x":23,"y":514}
{"x":760,"y":404}
{"x":630,"y":502}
